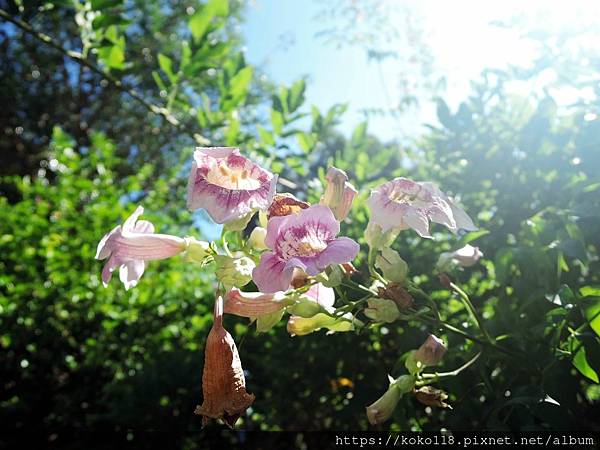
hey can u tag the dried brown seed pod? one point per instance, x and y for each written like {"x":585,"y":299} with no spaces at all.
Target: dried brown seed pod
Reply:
{"x":223,"y":381}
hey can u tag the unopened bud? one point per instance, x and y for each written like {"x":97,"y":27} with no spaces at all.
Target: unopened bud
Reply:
{"x":382,"y":409}
{"x":234,"y":271}
{"x":196,"y":250}
{"x":431,"y":352}
{"x":376,"y":238}
{"x":338,"y":194}
{"x":257,"y":238}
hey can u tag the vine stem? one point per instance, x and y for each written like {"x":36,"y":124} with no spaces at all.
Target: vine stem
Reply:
{"x":472,"y":311}
{"x":81,"y":59}
{"x":433,"y":377}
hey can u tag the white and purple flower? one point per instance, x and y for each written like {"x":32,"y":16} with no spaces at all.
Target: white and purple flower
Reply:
{"x":402,"y":204}
{"x":130,"y":245}
{"x":307,"y":241}
{"x":228,"y":185}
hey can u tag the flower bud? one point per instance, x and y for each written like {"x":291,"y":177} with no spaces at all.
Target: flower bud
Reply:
{"x":196,"y":250}
{"x":431,"y":352}
{"x":382,"y":409}
{"x":431,"y":396}
{"x":339,"y":194}
{"x":234,"y":271}
{"x":394,"y":268}
{"x":238,"y":224}
{"x":304,"y":307}
{"x":301,"y":326}
{"x":466,"y":256}
{"x":382,"y":310}
{"x":376,"y":238}
{"x":257,"y":239}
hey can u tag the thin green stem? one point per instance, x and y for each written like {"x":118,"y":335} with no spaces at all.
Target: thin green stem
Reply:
{"x":434,"y":377}
{"x":472,"y":311}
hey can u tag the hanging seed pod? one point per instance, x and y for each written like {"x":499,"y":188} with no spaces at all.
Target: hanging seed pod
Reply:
{"x":223,"y":381}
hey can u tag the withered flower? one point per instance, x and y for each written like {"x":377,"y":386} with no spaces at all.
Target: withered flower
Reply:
{"x":395,"y":292}
{"x":285,"y":204}
{"x":431,"y":396}
{"x":223,"y":381}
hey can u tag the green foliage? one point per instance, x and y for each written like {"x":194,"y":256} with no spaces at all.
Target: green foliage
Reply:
{"x":77,"y":354}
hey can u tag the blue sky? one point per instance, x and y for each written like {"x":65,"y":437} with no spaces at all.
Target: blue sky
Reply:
{"x":458,"y":33}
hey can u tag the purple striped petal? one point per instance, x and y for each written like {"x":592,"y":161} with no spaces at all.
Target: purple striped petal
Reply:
{"x":338,"y":251}
{"x":272,"y":274}
{"x":227,"y":185}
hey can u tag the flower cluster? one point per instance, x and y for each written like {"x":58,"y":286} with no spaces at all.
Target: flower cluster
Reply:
{"x":297,"y":260}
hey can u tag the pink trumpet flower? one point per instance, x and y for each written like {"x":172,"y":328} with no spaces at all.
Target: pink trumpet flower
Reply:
{"x":307,"y":241}
{"x":228,"y":185}
{"x":402,"y":204}
{"x":130,"y":245}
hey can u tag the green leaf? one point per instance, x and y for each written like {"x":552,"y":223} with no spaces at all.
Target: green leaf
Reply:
{"x":296,"y":95}
{"x":108,"y":20}
{"x":444,"y":115}
{"x":201,"y":20}
{"x":277,"y":121}
{"x":580,"y":362}
{"x":199,"y":23}
{"x":104,"y":4}
{"x":306,"y":141}
{"x":265,"y":136}
{"x":158,"y":80}
{"x":591,"y":308}
{"x":186,"y":55}
{"x":590,"y":291}
{"x":359,"y":133}
{"x":113,"y":56}
{"x":166,"y":65}
{"x":231,"y":135}
{"x":240,"y":83}
{"x":473,"y":235}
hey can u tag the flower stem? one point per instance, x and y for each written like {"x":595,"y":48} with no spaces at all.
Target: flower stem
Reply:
{"x":428,"y":378}
{"x":472,"y":311}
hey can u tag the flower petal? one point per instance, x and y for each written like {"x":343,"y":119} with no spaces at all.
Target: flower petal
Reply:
{"x":324,"y":296}
{"x":131,"y":272}
{"x":213,"y":184}
{"x":147,"y":246}
{"x":272,"y":274}
{"x":104,"y":248}
{"x":254,"y":304}
{"x":340,"y":250}
{"x":418,"y":221}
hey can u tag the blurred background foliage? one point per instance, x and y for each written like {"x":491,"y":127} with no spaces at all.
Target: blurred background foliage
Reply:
{"x":104,"y":101}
